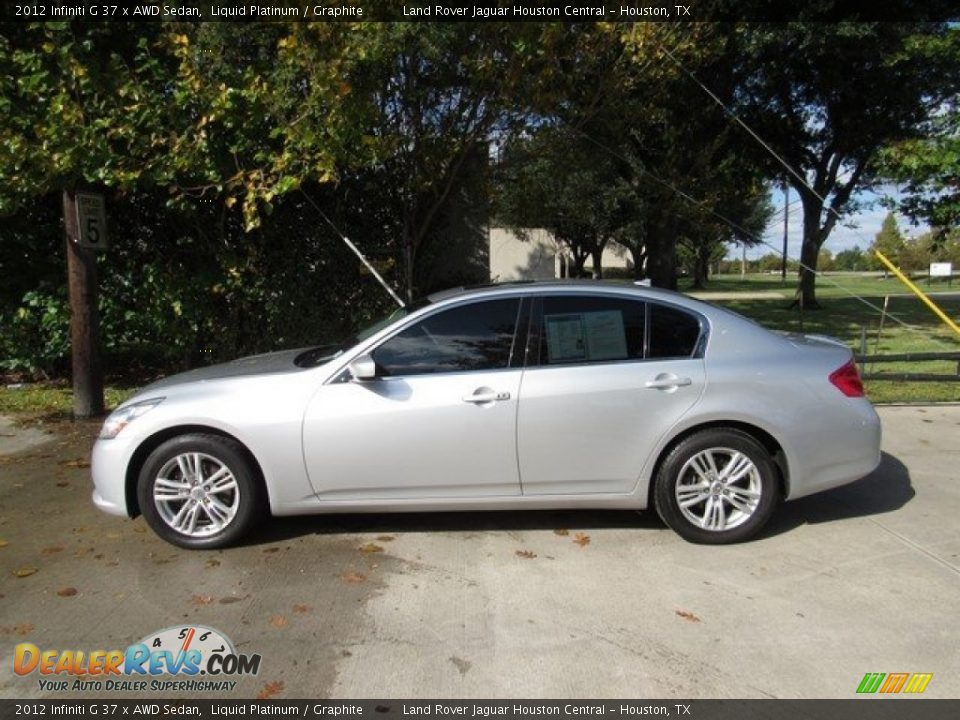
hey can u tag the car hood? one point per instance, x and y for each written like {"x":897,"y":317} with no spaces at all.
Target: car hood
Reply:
{"x":265,"y":364}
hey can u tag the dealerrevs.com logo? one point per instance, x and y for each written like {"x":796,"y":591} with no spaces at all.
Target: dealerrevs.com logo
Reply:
{"x":193,"y":658}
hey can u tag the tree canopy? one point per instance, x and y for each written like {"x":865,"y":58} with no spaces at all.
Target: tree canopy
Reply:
{"x":222,"y":150}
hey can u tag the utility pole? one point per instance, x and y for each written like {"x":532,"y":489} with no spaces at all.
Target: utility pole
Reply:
{"x":743,"y":260}
{"x":84,"y":316}
{"x":786,"y":217}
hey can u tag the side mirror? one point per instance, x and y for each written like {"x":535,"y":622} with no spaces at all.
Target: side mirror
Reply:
{"x":363,"y":368}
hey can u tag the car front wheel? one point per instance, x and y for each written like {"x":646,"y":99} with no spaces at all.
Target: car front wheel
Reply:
{"x":717,"y":486}
{"x":199,"y":491}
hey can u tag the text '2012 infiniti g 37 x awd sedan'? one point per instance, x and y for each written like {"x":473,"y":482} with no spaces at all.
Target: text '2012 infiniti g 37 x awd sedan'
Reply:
{"x":542,"y":395}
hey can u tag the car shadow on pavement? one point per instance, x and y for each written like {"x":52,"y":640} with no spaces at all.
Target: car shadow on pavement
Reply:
{"x":285,"y":528}
{"x":886,"y":489}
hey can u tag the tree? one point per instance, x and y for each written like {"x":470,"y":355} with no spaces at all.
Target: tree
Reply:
{"x":925,"y":168}
{"x":828,"y":97}
{"x":556,"y":181}
{"x":889,"y":241}
{"x":433,"y":95}
{"x":82,"y":108}
{"x":692,"y":184}
{"x":850,"y":260}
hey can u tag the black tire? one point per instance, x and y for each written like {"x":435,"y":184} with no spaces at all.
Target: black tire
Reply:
{"x":720,"y":443}
{"x":247,"y":503}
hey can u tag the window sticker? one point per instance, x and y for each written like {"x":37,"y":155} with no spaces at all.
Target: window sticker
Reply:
{"x":606,"y":337}
{"x":587,"y":336}
{"x":565,"y":340}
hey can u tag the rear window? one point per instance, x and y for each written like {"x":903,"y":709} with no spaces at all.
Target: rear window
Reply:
{"x":673,"y":333}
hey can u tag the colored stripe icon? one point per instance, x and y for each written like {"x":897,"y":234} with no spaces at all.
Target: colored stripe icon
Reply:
{"x":892,"y":683}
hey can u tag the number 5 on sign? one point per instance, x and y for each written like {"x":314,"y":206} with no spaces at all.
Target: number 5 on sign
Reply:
{"x":91,"y":221}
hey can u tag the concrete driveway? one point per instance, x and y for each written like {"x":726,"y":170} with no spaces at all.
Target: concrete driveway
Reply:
{"x":865,"y":578}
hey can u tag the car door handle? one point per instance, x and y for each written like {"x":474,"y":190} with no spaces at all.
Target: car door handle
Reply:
{"x":486,"y":397}
{"x":661,"y":383}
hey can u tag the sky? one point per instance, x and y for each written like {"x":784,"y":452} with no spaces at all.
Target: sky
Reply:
{"x":866,"y":224}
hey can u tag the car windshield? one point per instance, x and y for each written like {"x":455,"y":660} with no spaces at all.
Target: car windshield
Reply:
{"x":322,"y":353}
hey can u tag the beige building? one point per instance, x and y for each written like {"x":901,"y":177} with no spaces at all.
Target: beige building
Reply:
{"x":538,"y":256}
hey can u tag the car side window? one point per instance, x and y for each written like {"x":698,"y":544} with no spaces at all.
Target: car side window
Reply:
{"x":673,"y":333}
{"x":584,"y":329}
{"x":478,"y":336}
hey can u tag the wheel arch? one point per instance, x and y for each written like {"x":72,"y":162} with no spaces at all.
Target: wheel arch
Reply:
{"x":154,"y":441}
{"x":769,"y":442}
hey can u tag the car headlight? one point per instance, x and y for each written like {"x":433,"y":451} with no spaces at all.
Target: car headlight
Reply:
{"x":121,"y":417}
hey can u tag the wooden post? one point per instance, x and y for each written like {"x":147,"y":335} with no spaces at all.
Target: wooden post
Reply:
{"x":84,"y":318}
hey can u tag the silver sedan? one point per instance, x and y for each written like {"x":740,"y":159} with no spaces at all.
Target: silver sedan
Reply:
{"x":526,"y":396}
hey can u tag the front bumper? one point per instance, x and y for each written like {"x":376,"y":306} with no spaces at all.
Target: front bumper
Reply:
{"x":108,"y":467}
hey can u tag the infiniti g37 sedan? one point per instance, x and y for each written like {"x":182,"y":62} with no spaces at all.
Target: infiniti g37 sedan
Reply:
{"x":534,"y":396}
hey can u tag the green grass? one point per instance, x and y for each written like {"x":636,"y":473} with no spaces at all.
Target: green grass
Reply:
{"x":839,"y":284}
{"x":34,"y":399}
{"x":843,"y":317}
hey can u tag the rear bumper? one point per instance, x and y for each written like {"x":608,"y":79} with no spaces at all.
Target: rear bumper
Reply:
{"x":844,"y":448}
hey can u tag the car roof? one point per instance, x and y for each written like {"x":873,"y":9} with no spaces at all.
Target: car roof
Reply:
{"x":537,"y":286}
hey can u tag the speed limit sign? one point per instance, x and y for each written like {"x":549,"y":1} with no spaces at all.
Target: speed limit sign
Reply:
{"x":91,"y":221}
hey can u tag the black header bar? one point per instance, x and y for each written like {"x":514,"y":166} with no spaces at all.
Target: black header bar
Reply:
{"x":307,"y":709}
{"x":477,"y":10}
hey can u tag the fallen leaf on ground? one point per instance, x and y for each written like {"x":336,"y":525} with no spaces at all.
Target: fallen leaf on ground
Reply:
{"x":271,"y":550}
{"x":581,"y":539}
{"x":526,"y":554}
{"x":301,"y":609}
{"x":562,"y":532}
{"x":370,"y":548}
{"x":63,"y":483}
{"x":67,"y":592}
{"x":353,"y":577}
{"x":687,"y":615}
{"x":279,"y":621}
{"x":230,"y":599}
{"x":52,"y":549}
{"x":212,"y":563}
{"x":23,"y":628}
{"x":24,"y":572}
{"x":78,"y":463}
{"x":139,"y":529}
{"x":461,"y":664}
{"x":385,"y":538}
{"x":270,"y":689}
{"x":3,"y":543}
{"x":200,"y":600}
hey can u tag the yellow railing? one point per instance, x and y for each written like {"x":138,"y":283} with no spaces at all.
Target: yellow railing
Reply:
{"x":918,"y":292}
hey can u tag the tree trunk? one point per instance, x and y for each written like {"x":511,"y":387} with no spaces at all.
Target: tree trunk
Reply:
{"x":809,"y":252}
{"x":596,"y":256}
{"x":408,"y":267}
{"x":638,"y":257}
{"x":662,"y":258}
{"x":84,"y":318}
{"x":700,"y":271}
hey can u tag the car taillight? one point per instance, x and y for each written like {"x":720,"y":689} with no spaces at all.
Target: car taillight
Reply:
{"x":847,"y":380}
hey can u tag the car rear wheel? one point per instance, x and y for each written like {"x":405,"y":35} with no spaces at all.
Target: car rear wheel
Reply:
{"x":717,"y":486}
{"x":199,"y":491}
